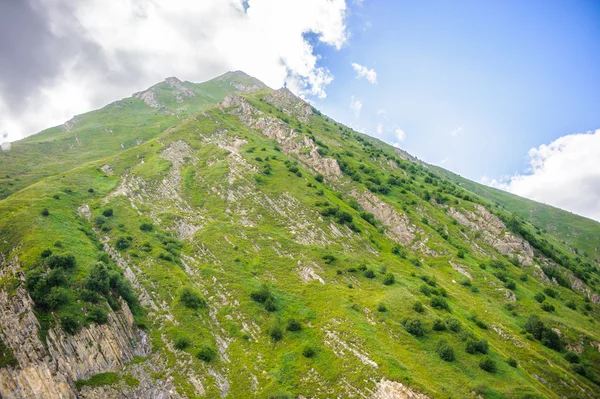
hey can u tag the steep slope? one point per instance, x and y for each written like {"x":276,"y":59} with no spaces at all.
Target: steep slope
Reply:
{"x":114,"y":128}
{"x":579,"y":233}
{"x":260,"y":249}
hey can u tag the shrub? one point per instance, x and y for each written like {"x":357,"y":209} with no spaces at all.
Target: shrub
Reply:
{"x":414,"y":327}
{"x":512,"y":362}
{"x":535,"y":326}
{"x":473,"y":346}
{"x":182,"y":342}
{"x":206,"y":354}
{"x":461,"y":253}
{"x":547,"y":307}
{"x":571,"y":305}
{"x":191,"y":299}
{"x":261,"y":295}
{"x":369,"y":273}
{"x":539,"y":297}
{"x":438,"y":325}
{"x":123,"y":243}
{"x":69,"y":324}
{"x":487,"y":365}
{"x":46,"y":253}
{"x":389,"y":279}
{"x":98,"y":315}
{"x":571,"y":357}
{"x":319,"y":178}
{"x":381,"y":308}
{"x":329,"y":259}
{"x":66,"y":262}
{"x":550,"y":292}
{"x":445,"y":351}
{"x":453,"y":325}
{"x":439,"y":303}
{"x":551,"y":339}
{"x":270,"y":305}
{"x":510,"y":284}
{"x":276,"y":333}
{"x":308,"y":352}
{"x":99,"y":279}
{"x":418,"y":307}
{"x":45,"y":212}
{"x":108,"y":212}
{"x":58,"y":297}
{"x":294,"y":325}
{"x":146,"y":227}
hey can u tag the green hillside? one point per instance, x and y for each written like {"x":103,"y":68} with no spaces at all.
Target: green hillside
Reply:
{"x":268,"y":251}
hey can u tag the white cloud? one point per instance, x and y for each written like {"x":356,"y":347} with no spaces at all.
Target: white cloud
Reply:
{"x":379,"y":129}
{"x":355,"y":106}
{"x":137,"y":43}
{"x":364,"y":72}
{"x":456,"y":132}
{"x":564,"y":173}
{"x":400,"y":136}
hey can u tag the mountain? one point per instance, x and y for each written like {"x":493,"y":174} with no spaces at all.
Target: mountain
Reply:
{"x":227,"y":240}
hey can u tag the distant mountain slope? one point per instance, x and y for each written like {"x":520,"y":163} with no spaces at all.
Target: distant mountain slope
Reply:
{"x":579,"y":233}
{"x":113,"y":128}
{"x":257,"y":248}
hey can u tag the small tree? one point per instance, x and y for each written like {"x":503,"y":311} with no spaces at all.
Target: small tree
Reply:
{"x":308,"y":352}
{"x":45,"y":212}
{"x":414,"y":327}
{"x":445,"y":351}
{"x":294,"y":325}
{"x":108,"y":212}
{"x":276,"y":333}
{"x":206,"y":354}
{"x":191,"y":299}
{"x":418,"y":307}
{"x":487,"y":365}
{"x":389,"y":279}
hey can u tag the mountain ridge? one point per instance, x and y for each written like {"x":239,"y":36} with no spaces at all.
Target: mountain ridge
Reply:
{"x":264,"y":249}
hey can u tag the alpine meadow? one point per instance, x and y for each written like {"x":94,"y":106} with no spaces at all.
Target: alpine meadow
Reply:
{"x":228,"y":240}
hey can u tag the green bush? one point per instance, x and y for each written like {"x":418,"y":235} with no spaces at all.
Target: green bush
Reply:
{"x":439,"y":303}
{"x":414,"y":327}
{"x":473,"y":346}
{"x":453,"y":325}
{"x":389,"y":279}
{"x":510,"y":284}
{"x":369,"y":273}
{"x":276,"y":333}
{"x":547,"y":307}
{"x":550,"y":292}
{"x":539,"y":297}
{"x":319,"y":178}
{"x":58,"y":297}
{"x":69,"y":324}
{"x":45,"y":212}
{"x":98,"y":279}
{"x":487,"y":365}
{"x":445,"y":351}
{"x":191,"y":299}
{"x":571,"y":357}
{"x":308,"y":352}
{"x":66,"y":262}
{"x":294,"y":325}
{"x":97,"y":315}
{"x":270,"y":304}
{"x":512,"y":362}
{"x":46,"y":253}
{"x":146,"y":227}
{"x":438,"y":325}
{"x":418,"y":307}
{"x":182,"y":342}
{"x":571,"y":305}
{"x":123,"y":242}
{"x":381,"y":308}
{"x":206,"y":354}
{"x":107,"y":212}
{"x":461,"y":253}
{"x":261,"y":295}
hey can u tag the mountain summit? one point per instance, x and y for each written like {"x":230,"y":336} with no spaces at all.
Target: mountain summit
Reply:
{"x":227,"y":240}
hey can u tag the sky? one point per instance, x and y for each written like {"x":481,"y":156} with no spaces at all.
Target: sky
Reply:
{"x":502,"y":92}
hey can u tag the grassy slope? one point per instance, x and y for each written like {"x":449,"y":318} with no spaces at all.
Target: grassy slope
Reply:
{"x":268,"y":252}
{"x":578,"y":232}
{"x":107,"y":131}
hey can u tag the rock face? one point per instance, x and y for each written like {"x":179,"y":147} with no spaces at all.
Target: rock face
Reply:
{"x":179,"y":89}
{"x":387,"y":389}
{"x":49,"y":369}
{"x":287,"y":102}
{"x":292,"y":143}
{"x":398,"y":226}
{"x":495,"y":233}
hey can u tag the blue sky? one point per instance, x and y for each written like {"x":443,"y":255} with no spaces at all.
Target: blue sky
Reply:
{"x":510,"y":74}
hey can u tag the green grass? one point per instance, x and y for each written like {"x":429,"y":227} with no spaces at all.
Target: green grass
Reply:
{"x":255,"y":231}
{"x":99,"y":380}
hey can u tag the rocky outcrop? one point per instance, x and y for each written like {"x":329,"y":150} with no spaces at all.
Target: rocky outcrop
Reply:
{"x":179,"y":89}
{"x":387,"y":389}
{"x":284,"y":100}
{"x":494,"y":232}
{"x":149,"y":97}
{"x":292,"y":143}
{"x":398,"y":226}
{"x":49,"y":369}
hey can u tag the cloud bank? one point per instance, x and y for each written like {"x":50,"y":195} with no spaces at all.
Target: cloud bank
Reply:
{"x":564,"y":173}
{"x":66,"y":57}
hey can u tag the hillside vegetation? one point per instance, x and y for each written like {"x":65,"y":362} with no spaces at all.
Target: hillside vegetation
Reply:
{"x":263,"y":250}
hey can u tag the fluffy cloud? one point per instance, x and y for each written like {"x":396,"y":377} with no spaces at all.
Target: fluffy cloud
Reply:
{"x":364,"y":72}
{"x":379,"y":129}
{"x":66,"y":56}
{"x":400,"y":136}
{"x":355,"y":106}
{"x":564,"y":173}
